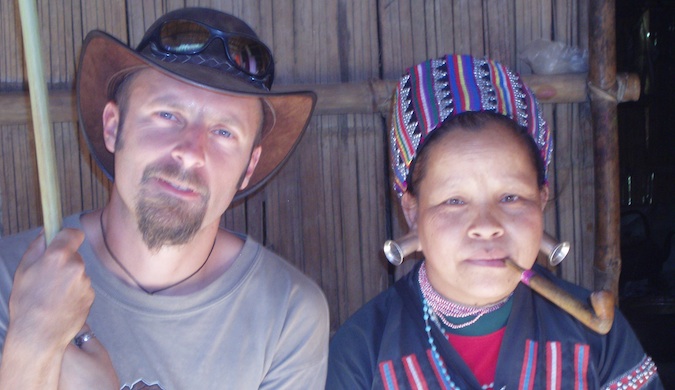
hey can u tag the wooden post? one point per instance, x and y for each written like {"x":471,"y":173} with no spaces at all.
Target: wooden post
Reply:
{"x":603,"y":91}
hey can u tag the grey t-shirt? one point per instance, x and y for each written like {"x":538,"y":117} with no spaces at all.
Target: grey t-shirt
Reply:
{"x":262,"y":324}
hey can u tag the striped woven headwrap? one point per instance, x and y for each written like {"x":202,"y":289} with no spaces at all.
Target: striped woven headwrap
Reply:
{"x":436,"y":90}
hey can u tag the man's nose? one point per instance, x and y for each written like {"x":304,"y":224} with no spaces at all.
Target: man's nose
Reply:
{"x":190,"y":149}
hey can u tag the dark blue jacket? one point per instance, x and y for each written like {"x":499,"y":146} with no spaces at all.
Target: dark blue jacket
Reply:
{"x":384,"y":346}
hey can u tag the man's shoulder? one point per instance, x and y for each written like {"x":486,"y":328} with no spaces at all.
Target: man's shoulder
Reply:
{"x":18,"y":242}
{"x":275,"y":265}
{"x":13,"y":247}
{"x":278,"y":274}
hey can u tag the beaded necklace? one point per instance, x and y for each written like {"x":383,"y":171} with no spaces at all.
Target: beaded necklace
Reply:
{"x":446,"y":308}
{"x":440,"y":365}
{"x":436,"y":306}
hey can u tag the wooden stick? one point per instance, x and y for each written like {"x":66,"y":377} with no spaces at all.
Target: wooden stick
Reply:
{"x":599,"y":317}
{"x":42,"y":126}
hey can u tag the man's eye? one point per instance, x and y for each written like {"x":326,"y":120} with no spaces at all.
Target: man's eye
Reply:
{"x":454,"y":202}
{"x":224,"y":133}
{"x":165,"y":115}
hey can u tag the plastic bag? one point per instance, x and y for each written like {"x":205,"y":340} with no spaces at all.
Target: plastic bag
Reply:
{"x":549,"y":57}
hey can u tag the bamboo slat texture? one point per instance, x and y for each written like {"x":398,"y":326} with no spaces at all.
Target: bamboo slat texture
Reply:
{"x":575,"y":207}
{"x":329,"y":209}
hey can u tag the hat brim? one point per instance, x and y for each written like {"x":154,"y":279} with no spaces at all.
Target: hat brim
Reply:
{"x":103,"y":57}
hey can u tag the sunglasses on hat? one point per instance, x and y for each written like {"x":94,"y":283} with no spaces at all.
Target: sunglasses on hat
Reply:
{"x":189,"y":37}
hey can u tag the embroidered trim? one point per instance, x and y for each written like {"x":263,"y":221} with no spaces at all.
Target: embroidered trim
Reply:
{"x":636,"y":378}
{"x":529,"y":368}
{"x":581,"y":355}
{"x":388,"y":375}
{"x":553,"y":365}
{"x":414,"y":372}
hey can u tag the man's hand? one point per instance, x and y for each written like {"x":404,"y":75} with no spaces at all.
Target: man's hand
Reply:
{"x":48,"y":305}
{"x":87,"y":367}
{"x":52,"y":294}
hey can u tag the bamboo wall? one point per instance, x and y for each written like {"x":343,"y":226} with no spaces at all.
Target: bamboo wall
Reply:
{"x":329,"y":209}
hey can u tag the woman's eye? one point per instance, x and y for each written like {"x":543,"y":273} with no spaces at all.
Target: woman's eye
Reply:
{"x":510,"y":198}
{"x":454,"y":202}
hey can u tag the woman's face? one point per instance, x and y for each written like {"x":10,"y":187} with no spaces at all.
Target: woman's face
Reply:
{"x":477,"y":203}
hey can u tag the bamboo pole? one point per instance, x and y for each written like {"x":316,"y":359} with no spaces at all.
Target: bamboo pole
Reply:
{"x":42,"y":126}
{"x":347,"y":98}
{"x":603,"y":90}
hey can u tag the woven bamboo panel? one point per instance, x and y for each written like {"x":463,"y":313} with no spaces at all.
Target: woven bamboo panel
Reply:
{"x":329,"y":209}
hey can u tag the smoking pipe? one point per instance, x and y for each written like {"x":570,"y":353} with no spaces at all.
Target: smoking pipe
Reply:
{"x":599,"y":317}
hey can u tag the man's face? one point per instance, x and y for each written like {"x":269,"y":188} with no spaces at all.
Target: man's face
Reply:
{"x":182,"y":155}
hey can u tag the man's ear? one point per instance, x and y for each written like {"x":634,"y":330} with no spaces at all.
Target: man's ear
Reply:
{"x":111,"y":121}
{"x":409,"y":206}
{"x":252,"y":163}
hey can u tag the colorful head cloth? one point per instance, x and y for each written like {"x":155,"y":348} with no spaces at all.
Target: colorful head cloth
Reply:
{"x":436,"y":90}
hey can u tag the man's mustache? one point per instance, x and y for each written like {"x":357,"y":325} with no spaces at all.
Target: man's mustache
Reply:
{"x":174,"y":173}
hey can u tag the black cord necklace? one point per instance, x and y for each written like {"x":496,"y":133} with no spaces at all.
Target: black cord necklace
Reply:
{"x":126,"y":271}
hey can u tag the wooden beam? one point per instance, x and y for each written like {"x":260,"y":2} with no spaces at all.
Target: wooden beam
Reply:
{"x":15,"y":107}
{"x":346,"y":98}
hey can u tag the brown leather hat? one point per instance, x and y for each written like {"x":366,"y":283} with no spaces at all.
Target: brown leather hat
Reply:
{"x":105,"y":61}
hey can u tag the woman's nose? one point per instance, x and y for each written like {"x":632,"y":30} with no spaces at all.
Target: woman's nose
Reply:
{"x":486,"y":225}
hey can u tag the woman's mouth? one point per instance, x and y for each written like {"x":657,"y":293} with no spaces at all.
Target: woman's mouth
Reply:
{"x":487,"y":262}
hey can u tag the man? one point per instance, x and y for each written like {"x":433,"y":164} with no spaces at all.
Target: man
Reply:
{"x":184,"y":124}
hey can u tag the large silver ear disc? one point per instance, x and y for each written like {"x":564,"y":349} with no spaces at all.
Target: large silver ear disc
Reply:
{"x":559,"y":253}
{"x":396,"y":251}
{"x":393,"y":252}
{"x":556,"y":251}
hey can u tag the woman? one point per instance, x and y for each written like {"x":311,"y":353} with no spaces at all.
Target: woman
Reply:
{"x":469,"y":152}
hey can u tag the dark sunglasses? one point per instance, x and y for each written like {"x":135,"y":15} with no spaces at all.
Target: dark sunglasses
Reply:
{"x":189,"y":37}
